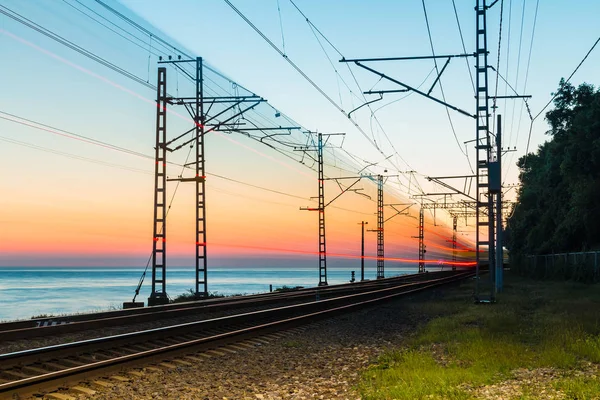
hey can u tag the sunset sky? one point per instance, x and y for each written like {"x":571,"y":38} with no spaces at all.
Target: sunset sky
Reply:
{"x":71,"y":198}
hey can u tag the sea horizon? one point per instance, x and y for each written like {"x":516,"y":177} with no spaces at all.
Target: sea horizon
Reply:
{"x":54,"y":290}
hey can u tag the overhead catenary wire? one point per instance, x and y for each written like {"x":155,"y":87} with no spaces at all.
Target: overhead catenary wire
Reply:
{"x":462,"y":40}
{"x":442,"y":88}
{"x":104,"y":144}
{"x":528,"y":65}
{"x":494,"y":107}
{"x":164,"y":44}
{"x":303,"y":74}
{"x":506,"y":84}
{"x":89,"y":54}
{"x":518,"y":70}
{"x":19,"y":18}
{"x":316,"y":30}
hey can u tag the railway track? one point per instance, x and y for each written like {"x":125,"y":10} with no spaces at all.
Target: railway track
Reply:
{"x":46,"y":327}
{"x":47,"y":368}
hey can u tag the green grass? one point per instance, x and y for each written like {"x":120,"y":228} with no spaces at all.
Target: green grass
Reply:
{"x":579,"y":388}
{"x":464,"y":345}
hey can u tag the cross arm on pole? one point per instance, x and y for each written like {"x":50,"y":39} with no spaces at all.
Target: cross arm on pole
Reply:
{"x":406,"y":58}
{"x":464,"y":192}
{"x":398,"y":212}
{"x":343,"y":191}
{"x":384,"y":76}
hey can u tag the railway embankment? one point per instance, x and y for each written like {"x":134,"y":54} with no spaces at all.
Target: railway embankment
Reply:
{"x":540,"y":341}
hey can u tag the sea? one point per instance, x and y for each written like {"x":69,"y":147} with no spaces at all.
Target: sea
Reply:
{"x":27,"y":292}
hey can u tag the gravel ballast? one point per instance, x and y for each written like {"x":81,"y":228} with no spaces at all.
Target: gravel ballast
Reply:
{"x":323,"y":360}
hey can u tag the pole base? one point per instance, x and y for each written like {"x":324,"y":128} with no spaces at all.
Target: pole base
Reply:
{"x":157,"y":299}
{"x":133,"y":304}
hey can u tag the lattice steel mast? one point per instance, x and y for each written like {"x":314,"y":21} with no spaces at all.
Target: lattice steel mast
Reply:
{"x":421,"y":240}
{"x":199,"y":120}
{"x":322,"y":242}
{"x":203,"y":124}
{"x":380,"y":242}
{"x":159,"y":235}
{"x":483,"y":148}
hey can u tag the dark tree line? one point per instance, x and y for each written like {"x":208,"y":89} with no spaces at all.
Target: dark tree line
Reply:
{"x":558,"y":208}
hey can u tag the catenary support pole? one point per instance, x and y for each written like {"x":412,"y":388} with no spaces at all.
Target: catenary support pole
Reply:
{"x":380,"y":250}
{"x":201,"y":259}
{"x":159,"y":245}
{"x":322,"y":243}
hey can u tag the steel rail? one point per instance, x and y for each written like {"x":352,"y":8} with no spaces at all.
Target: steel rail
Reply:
{"x":258,"y":322}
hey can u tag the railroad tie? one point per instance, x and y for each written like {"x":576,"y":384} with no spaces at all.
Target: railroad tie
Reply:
{"x":181,"y":362}
{"x":59,"y":396}
{"x":119,"y":378}
{"x":103,"y":384}
{"x":245,"y":345}
{"x":237,"y":347}
{"x":83,"y":390}
{"x":215,"y":352}
{"x":227,"y":350}
{"x":195,"y":359}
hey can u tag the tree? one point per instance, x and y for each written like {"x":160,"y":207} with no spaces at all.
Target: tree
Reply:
{"x":558,"y":205}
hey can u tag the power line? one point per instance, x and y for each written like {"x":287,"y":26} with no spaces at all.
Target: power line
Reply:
{"x":525,"y":86}
{"x":462,"y":40}
{"x":507,"y":52}
{"x":518,"y":68}
{"x":498,"y":61}
{"x":71,"y":155}
{"x":527,"y":69}
{"x":303,"y":74}
{"x":22,"y":20}
{"x":314,"y":29}
{"x":71,"y":135}
{"x":75,"y":136}
{"x":442,"y":88}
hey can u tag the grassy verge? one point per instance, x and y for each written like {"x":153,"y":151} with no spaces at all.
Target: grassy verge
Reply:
{"x":540,"y":340}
